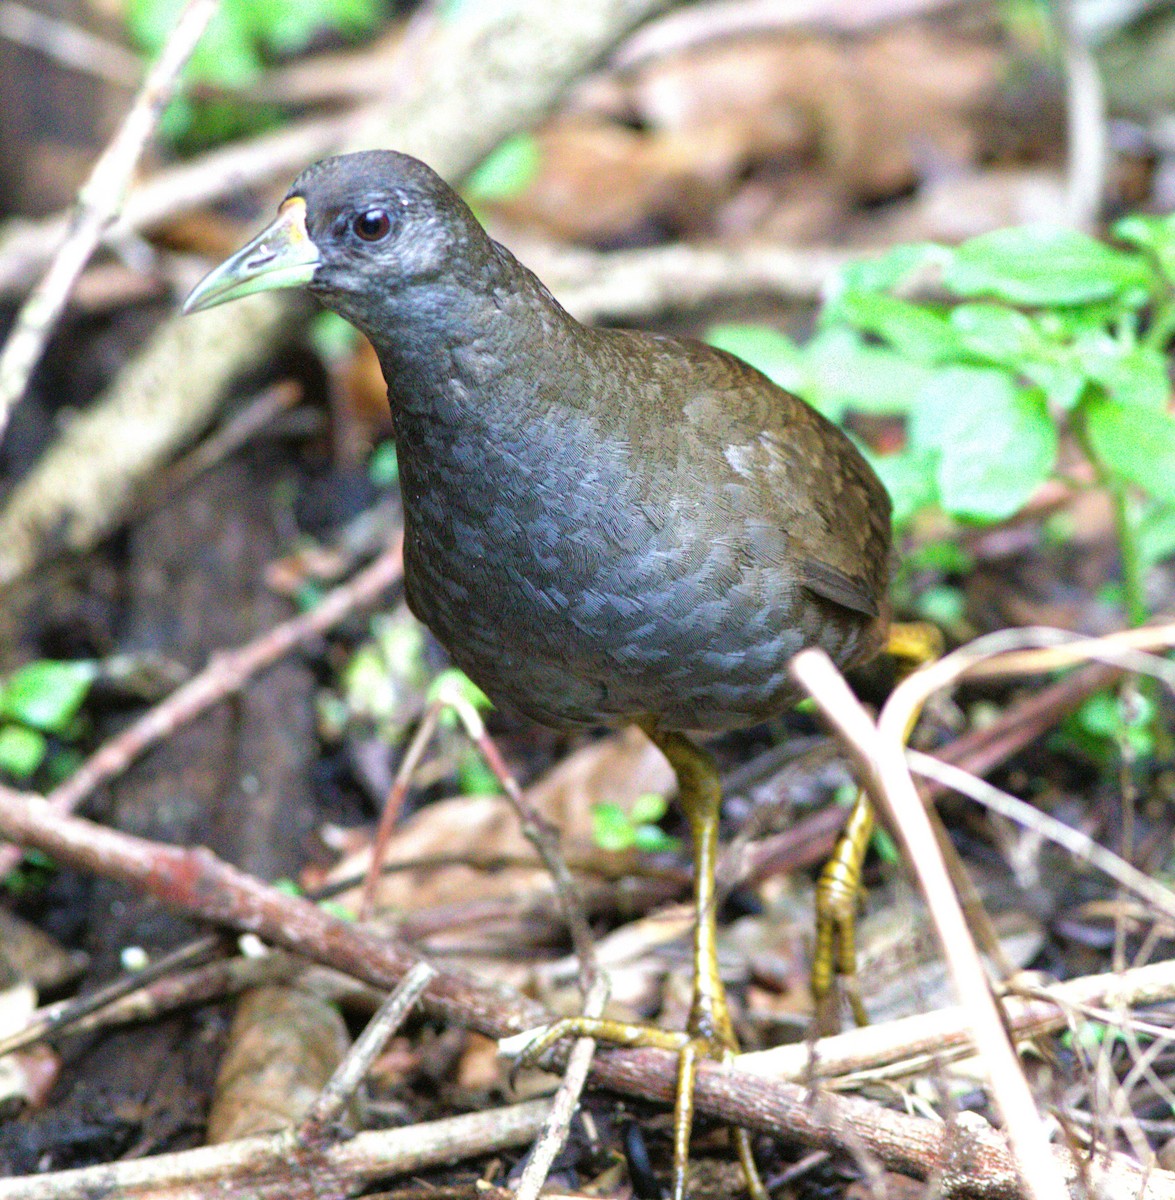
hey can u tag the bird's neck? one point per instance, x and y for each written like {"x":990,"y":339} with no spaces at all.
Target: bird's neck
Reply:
{"x":473,"y":350}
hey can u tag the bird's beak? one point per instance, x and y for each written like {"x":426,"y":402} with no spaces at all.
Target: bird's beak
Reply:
{"x":280,"y":256}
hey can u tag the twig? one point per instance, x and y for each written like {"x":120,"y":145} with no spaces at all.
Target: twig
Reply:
{"x":228,"y":672}
{"x":98,"y":202}
{"x":557,"y":1127}
{"x":25,"y":246}
{"x":698,"y":24}
{"x":1088,"y":144}
{"x":317,"y":1125}
{"x":1079,"y":844}
{"x":1037,"y":649}
{"x":261,"y":1164}
{"x":620,"y":284}
{"x":905,"y":1046}
{"x":67,"y":1013}
{"x":69,"y":44}
{"x":594,"y":983}
{"x":394,"y":804}
{"x":882,"y":763}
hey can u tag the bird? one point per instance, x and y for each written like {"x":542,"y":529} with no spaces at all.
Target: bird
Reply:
{"x":602,"y":526}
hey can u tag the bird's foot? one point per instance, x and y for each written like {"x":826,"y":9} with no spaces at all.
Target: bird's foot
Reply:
{"x":689,"y":1047}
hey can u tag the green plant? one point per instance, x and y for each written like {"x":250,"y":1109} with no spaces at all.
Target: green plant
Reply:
{"x":1037,"y":330}
{"x":242,"y":36}
{"x":40,"y":700}
{"x":615,"y":829}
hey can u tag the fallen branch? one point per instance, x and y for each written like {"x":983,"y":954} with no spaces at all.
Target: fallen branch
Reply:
{"x":968,"y":1158}
{"x":880,"y":758}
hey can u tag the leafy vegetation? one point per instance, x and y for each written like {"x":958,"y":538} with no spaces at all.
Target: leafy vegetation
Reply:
{"x":1034,"y":333}
{"x":39,"y":701}
{"x":241,"y":38}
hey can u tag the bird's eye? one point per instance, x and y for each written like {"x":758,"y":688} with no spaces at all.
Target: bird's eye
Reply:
{"x":372,"y":225}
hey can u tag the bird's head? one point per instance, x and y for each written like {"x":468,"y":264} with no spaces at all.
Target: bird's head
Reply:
{"x":354,"y":230}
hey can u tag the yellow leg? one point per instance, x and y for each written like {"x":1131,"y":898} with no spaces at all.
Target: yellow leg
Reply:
{"x":839,"y":887}
{"x":709,"y":1032}
{"x":837,"y":893}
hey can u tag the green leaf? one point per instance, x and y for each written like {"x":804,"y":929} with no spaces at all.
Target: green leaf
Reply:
{"x":383,"y":467}
{"x":652,"y":839}
{"x":474,"y":777}
{"x":1132,"y":374}
{"x":1044,"y":265}
{"x":1063,"y":380}
{"x":507,"y":171}
{"x":333,"y":338}
{"x":457,"y":680}
{"x":1001,"y":335}
{"x":914,"y":330}
{"x":21,"y":751}
{"x":648,"y":808}
{"x":1156,"y":533}
{"x":996,"y":442}
{"x":942,"y":605}
{"x":909,"y":477}
{"x":611,"y":827}
{"x":1136,"y":444}
{"x":47,"y":694}
{"x":843,"y":374}
{"x":890,"y":271}
{"x":1156,"y":234}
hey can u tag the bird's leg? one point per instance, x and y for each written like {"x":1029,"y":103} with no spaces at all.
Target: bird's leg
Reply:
{"x":839,"y":888}
{"x":709,"y":1026}
{"x":709,"y":1032}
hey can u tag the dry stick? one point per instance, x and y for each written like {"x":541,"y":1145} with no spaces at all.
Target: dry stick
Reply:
{"x":67,"y":1013}
{"x":594,"y":983}
{"x":968,"y":1158}
{"x":317,"y":1125}
{"x":884,"y":772}
{"x":98,"y":202}
{"x":981,"y":750}
{"x":1078,"y":844}
{"x":69,"y":44}
{"x":259,"y":1165}
{"x":394,"y":803}
{"x":1010,"y":652}
{"x":624,"y":284}
{"x":1087,"y":135}
{"x":25,"y":246}
{"x":904,"y":1046}
{"x":225,"y":674}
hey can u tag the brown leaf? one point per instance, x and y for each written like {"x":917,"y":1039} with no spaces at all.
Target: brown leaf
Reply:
{"x":283,"y":1046}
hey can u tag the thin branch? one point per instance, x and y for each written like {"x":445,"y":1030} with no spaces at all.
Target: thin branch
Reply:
{"x":225,"y":674}
{"x":98,"y":203}
{"x":1078,"y":844}
{"x":69,"y":44}
{"x":259,"y":1165}
{"x":317,"y":1125}
{"x":594,"y":983}
{"x":906,"y":1045}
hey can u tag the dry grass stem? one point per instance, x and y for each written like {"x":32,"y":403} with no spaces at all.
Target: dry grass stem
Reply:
{"x":884,"y":771}
{"x":98,"y":203}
